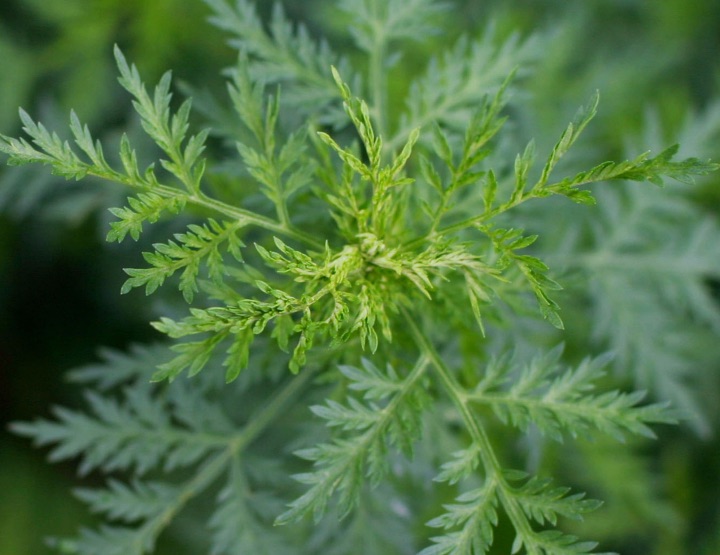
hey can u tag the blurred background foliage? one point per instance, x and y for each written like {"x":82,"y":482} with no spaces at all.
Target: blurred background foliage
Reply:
{"x":657,"y":67}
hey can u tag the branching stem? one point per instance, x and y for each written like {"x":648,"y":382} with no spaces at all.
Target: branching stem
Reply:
{"x":246,"y":217}
{"x":491,"y":464}
{"x":211,"y":470}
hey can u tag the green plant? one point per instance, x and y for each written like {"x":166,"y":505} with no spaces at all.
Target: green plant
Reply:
{"x":361,"y":305}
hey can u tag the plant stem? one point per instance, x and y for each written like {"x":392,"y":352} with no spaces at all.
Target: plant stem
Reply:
{"x":255,"y":219}
{"x":215,"y":467}
{"x":377,"y":74}
{"x":271,"y":410}
{"x":491,"y":464}
{"x":201,"y":200}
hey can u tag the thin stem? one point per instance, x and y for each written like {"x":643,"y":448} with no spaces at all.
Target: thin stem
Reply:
{"x":178,"y":158}
{"x":377,"y":74}
{"x":206,"y":476}
{"x":200,"y":199}
{"x":215,"y":467}
{"x":271,"y":411}
{"x":491,"y":464}
{"x":282,"y":213}
{"x":478,"y":219}
{"x":470,"y":222}
{"x":255,"y":219}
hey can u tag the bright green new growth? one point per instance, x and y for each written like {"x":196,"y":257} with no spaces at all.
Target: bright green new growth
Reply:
{"x":377,"y":239}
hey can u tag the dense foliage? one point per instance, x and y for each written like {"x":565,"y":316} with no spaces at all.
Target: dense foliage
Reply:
{"x":362,"y":338}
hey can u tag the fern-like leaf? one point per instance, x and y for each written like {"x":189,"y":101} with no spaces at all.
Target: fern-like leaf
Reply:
{"x":200,"y":244}
{"x":282,"y":53}
{"x":557,"y":402}
{"x":166,"y":129}
{"x":341,"y":465}
{"x":448,"y":91}
{"x":475,"y":513}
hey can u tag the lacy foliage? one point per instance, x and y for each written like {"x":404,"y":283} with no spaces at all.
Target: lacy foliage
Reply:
{"x":365,"y":252}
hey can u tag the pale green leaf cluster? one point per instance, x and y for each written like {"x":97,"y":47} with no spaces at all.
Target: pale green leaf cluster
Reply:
{"x":281,"y":52}
{"x":631,"y":279}
{"x":200,"y":244}
{"x":188,"y":435}
{"x":556,"y":402}
{"x":378,"y":258}
{"x":346,"y":463}
{"x":649,"y":260}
